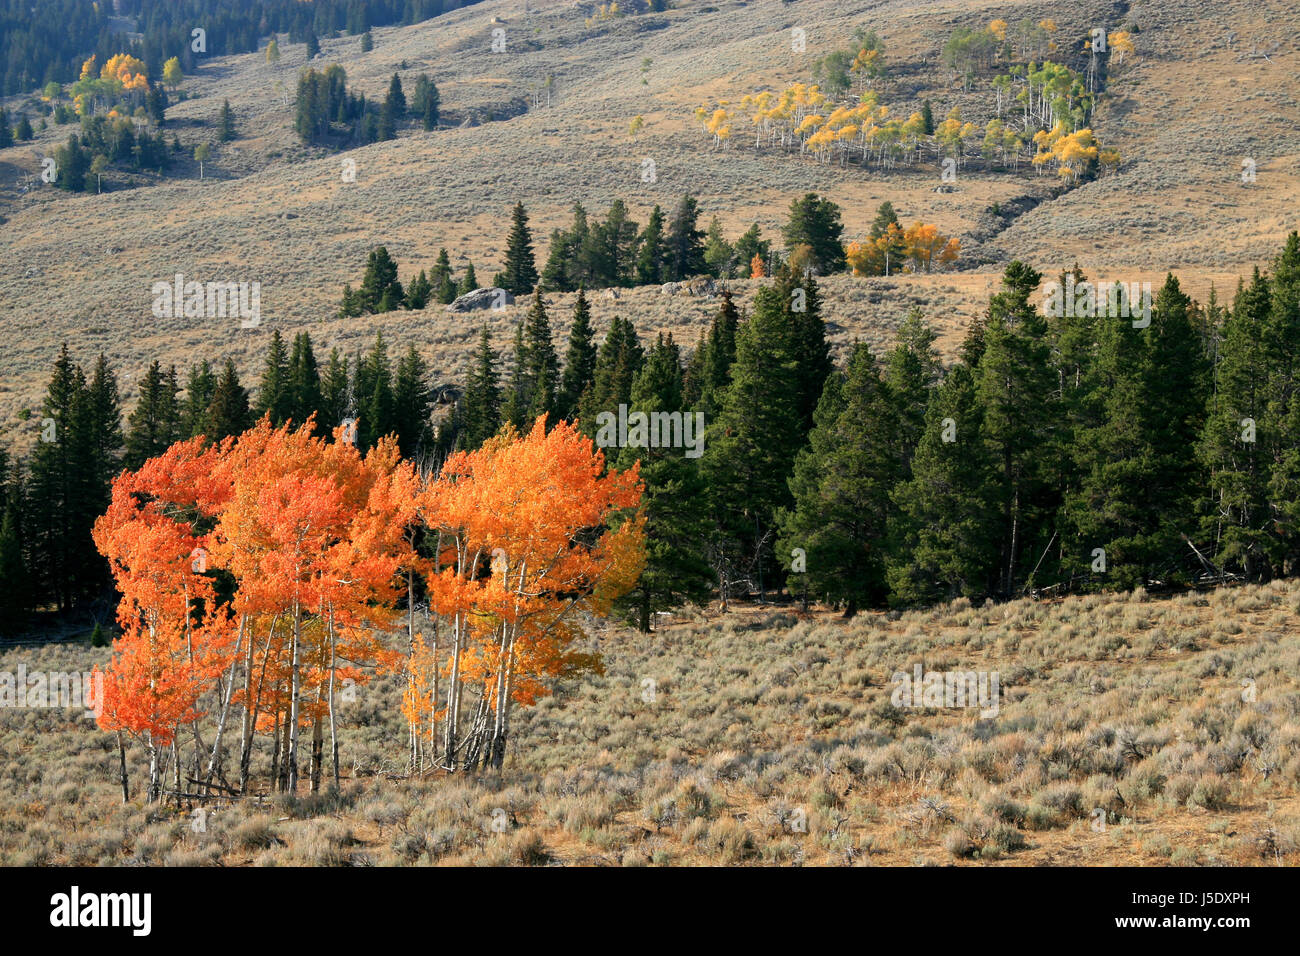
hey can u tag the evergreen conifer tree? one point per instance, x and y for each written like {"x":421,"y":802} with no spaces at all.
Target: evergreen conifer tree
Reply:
{"x":674,"y":502}
{"x":519,"y":276}
{"x":412,"y":401}
{"x":155,"y":422}
{"x":481,"y":405}
{"x":579,"y":360}
{"x":751,"y":446}
{"x":200,"y":386}
{"x":229,"y":413}
{"x":841,"y":484}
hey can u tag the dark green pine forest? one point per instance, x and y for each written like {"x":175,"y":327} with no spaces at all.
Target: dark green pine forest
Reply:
{"x":1071,"y":452}
{"x":48,"y":41}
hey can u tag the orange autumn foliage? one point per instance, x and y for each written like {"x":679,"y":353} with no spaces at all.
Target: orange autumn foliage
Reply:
{"x":312,"y":535}
{"x":525,"y":546}
{"x":313,"y":546}
{"x":167,"y":651}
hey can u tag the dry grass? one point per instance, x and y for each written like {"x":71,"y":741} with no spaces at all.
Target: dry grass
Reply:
{"x":1123,"y":736}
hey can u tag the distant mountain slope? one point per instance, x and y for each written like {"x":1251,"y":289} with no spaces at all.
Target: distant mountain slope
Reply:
{"x":1185,"y":112}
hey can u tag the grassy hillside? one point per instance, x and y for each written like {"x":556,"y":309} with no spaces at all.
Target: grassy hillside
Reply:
{"x":1129,"y":730}
{"x":1183,"y":113}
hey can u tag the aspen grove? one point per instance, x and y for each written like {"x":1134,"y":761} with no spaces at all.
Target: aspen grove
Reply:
{"x":264,"y":576}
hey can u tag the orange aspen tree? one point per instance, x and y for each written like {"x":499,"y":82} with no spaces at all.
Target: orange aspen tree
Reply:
{"x":264,"y":572}
{"x":311,"y":535}
{"x":529,"y":545}
{"x":926,"y":245}
{"x":314,"y":537}
{"x":174,"y":639}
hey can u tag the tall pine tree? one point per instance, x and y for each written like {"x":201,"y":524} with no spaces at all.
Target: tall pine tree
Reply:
{"x":675,"y":499}
{"x":412,"y":401}
{"x":944,"y":534}
{"x":200,"y":386}
{"x":519,"y":276}
{"x":304,"y":385}
{"x":229,"y":413}
{"x":579,"y":360}
{"x":751,"y":446}
{"x":372,"y":386}
{"x":618,"y":362}
{"x":1015,"y":391}
{"x":841,"y":485}
{"x":155,"y":422}
{"x":480,"y":411}
{"x":274,"y":396}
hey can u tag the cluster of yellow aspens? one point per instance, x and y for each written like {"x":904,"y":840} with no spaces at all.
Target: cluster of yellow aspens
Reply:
{"x":803,"y":116}
{"x":1071,"y":153}
{"x":122,"y":74}
{"x":918,"y":248}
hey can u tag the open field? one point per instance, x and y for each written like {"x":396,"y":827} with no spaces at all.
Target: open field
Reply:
{"x":1129,"y":730}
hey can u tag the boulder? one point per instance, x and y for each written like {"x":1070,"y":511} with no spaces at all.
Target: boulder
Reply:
{"x":702,"y":286}
{"x":481,"y":299}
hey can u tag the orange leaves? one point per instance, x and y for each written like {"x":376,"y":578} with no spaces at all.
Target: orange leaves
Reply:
{"x":166,"y":652}
{"x":926,"y":245}
{"x":921,"y":242}
{"x":311,"y":542}
{"x":124,"y":70}
{"x":312,"y":521}
{"x":621,"y":554}
{"x":528,"y":496}
{"x":524,"y":524}
{"x":309,"y":531}
{"x":858,"y":255}
{"x":419,"y":705}
{"x":1071,"y":152}
{"x":1121,"y":44}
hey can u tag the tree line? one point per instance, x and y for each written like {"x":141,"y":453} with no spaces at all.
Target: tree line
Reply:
{"x":49,"y":501}
{"x":326,"y":113}
{"x":1064,"y":446}
{"x":46,"y":42}
{"x":1073,"y":446}
{"x":617,"y":252}
{"x":1077,"y":447}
